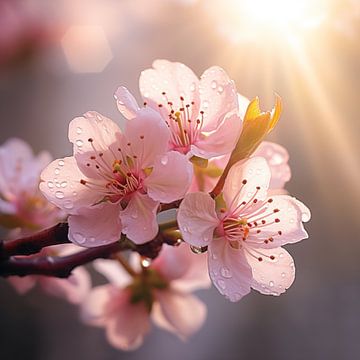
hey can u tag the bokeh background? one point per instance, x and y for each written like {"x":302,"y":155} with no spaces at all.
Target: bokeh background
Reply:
{"x":59,"y":59}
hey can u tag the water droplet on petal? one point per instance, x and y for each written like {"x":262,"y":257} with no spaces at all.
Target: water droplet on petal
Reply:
{"x":220,"y":89}
{"x":283,"y":274}
{"x":79,"y":143}
{"x":79,"y":238}
{"x":68,"y":204}
{"x":61,"y":163}
{"x":198,"y":250}
{"x":145,"y":262}
{"x":192,"y":87}
{"x":214,"y":84}
{"x":225,"y":272}
{"x":57,"y":171}
{"x":221,"y":284}
{"x":50,"y":184}
{"x":59,"y":195}
{"x":134,"y":215}
{"x":78,"y":130}
{"x":271,"y":283}
{"x":63,"y":184}
{"x":164,"y":159}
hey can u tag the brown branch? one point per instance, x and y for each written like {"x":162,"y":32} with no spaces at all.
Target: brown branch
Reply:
{"x":32,"y":244}
{"x":62,"y":266}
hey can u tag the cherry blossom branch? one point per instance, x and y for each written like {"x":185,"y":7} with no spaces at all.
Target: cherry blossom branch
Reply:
{"x":62,"y":266}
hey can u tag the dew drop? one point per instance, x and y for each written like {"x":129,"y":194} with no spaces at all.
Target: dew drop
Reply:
{"x":283,"y":274}
{"x":192,"y":87}
{"x":78,"y":130}
{"x":164,"y":160}
{"x":225,"y":272}
{"x":59,"y":195}
{"x":271,"y":283}
{"x":220,"y":89}
{"x":281,"y":255}
{"x":79,"y":238}
{"x":74,"y":193}
{"x":214,"y":84}
{"x":79,"y":143}
{"x":68,"y":204}
{"x":221,"y":284}
{"x":61,"y":163}
{"x":63,"y":184}
{"x":134,"y":215}
{"x":50,"y":184}
{"x":145,"y":262}
{"x":57,"y":171}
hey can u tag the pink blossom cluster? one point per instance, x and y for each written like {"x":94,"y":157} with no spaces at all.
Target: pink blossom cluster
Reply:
{"x":193,"y":144}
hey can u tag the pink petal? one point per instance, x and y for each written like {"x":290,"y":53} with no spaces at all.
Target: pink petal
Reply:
{"x":221,"y":140}
{"x":61,"y":186}
{"x":283,"y":225}
{"x":170,"y":177}
{"x":126,"y":103}
{"x":104,"y":135}
{"x":74,"y":289}
{"x":22,"y":284}
{"x":184,"y":312}
{"x":277,"y":158}
{"x":218,"y":97}
{"x":93,"y":309}
{"x":271,"y":277}
{"x":95,"y":226}
{"x":147,"y":135}
{"x":113,"y":272}
{"x":176,"y":80}
{"x":229,"y":270}
{"x":197,"y":218}
{"x":139,"y":218}
{"x":128,"y":323}
{"x":243,"y":180}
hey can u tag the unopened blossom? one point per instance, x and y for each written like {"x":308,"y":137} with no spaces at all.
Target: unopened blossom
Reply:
{"x":244,"y":230}
{"x":22,"y":205}
{"x":115,"y":181}
{"x":73,"y":289}
{"x":276,"y":156}
{"x":160,"y":291}
{"x":202,"y":115}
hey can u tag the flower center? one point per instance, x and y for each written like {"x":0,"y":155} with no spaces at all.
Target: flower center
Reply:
{"x":120,"y":169}
{"x":183,"y":123}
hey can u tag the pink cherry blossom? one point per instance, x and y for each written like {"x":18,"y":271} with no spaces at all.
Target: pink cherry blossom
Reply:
{"x":244,"y":232}
{"x":115,"y":181}
{"x":168,"y":282}
{"x":73,"y":289}
{"x":22,"y":205}
{"x":202,"y":115}
{"x":276,"y":156}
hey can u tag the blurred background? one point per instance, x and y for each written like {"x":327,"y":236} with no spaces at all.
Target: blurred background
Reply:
{"x":61,"y":58}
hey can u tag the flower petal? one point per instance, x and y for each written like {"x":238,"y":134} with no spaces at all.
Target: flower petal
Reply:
{"x":170,"y":177}
{"x":176,"y":80}
{"x":139,"y":218}
{"x":61,"y":186}
{"x":74,"y":289}
{"x":245,"y":181}
{"x":280,"y":223}
{"x":147,"y":135}
{"x":184,"y":312}
{"x":221,"y":140}
{"x":218,"y":96}
{"x":95,"y":226}
{"x":126,"y":103}
{"x":243,"y":105}
{"x":113,"y":272}
{"x":197,"y":219}
{"x":91,"y":135}
{"x":93,"y":309}
{"x":271,"y":277}
{"x":277,"y":158}
{"x":229,"y":270}
{"x":128,"y":323}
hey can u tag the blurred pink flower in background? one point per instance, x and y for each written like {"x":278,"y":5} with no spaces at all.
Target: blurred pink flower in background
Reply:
{"x":244,"y":231}
{"x":160,"y":290}
{"x":202,"y":115}
{"x":74,"y":289}
{"x":22,"y":205}
{"x":116,"y":181}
